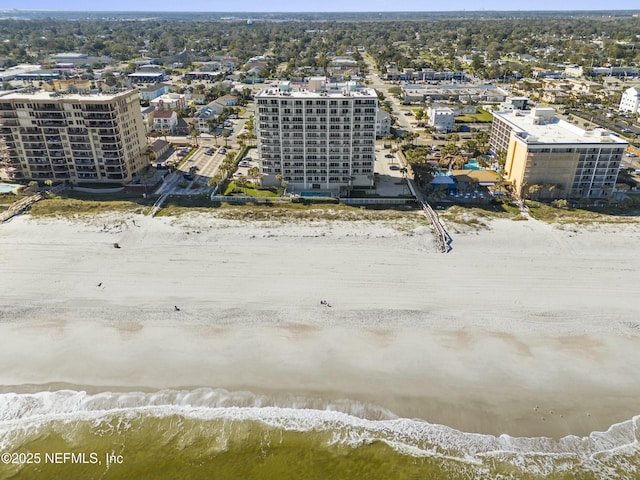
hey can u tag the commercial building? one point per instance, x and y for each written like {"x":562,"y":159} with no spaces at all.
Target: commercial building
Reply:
{"x":457,"y":93}
{"x":73,"y":137}
{"x":316,"y":138}
{"x":562,"y":160}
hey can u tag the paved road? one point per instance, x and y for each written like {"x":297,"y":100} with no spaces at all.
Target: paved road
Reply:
{"x":379,"y":84}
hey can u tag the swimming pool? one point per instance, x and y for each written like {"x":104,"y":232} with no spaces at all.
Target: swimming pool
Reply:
{"x":7,"y":187}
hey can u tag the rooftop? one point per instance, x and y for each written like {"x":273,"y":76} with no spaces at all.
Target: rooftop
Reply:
{"x":163,"y":114}
{"x":58,"y":96}
{"x":540,"y":125}
{"x":302,"y":93}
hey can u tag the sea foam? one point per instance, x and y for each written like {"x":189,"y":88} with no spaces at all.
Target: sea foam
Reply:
{"x":347,"y":423}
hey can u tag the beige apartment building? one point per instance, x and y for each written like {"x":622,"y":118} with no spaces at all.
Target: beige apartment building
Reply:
{"x":316,"y":138}
{"x":73,"y":137}
{"x":562,"y":159}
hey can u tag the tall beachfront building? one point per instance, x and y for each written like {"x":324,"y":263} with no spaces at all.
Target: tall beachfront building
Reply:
{"x":562,"y":159}
{"x":315,"y":137}
{"x":73,"y":137}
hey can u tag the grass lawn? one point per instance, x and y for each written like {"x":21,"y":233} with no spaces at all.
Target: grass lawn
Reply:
{"x":481,"y":117}
{"x":251,"y":191}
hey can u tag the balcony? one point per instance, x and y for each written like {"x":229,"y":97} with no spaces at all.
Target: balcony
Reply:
{"x":52,"y":123}
{"x":97,"y":108}
{"x":87,"y":176}
{"x":50,"y":115}
{"x":80,"y":163}
{"x":101,"y":123}
{"x":108,"y":131}
{"x":80,"y":147}
{"x":100,"y":116}
{"x":40,"y":168}
{"x":47,"y":107}
{"x":38,"y":161}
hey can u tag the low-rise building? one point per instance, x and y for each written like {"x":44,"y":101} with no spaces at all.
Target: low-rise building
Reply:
{"x":441,"y":118}
{"x":170,"y":101}
{"x":630,"y":101}
{"x":154,"y":91}
{"x":383,"y":123}
{"x":165,"y":120}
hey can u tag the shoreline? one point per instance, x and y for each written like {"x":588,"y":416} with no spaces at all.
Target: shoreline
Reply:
{"x":475,"y":339}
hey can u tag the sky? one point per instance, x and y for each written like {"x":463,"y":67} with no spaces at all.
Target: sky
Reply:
{"x":310,"y":6}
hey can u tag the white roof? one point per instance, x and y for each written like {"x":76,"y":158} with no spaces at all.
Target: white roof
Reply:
{"x":541,"y":126}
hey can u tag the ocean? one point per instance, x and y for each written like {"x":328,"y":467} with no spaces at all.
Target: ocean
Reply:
{"x":216,"y":434}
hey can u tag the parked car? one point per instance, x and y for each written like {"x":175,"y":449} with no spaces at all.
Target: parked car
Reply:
{"x":187,"y":176}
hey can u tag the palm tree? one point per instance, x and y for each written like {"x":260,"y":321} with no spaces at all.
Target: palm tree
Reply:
{"x":242,"y":183}
{"x":194,"y":134}
{"x":254,"y":172}
{"x":215,"y":180}
{"x":534,"y":190}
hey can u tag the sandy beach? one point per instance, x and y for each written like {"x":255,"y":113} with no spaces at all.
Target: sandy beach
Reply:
{"x":523,"y":328}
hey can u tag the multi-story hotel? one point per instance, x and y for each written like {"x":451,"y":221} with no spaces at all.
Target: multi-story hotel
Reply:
{"x":563,"y":159}
{"x":73,"y":137}
{"x":316,"y":138}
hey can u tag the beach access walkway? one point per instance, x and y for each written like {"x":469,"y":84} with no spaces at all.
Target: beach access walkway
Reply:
{"x":443,"y":239}
{"x":25,"y":203}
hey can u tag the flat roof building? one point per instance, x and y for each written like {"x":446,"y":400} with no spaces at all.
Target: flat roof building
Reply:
{"x":561,"y":159}
{"x":73,"y":137}
{"x":315,"y":138}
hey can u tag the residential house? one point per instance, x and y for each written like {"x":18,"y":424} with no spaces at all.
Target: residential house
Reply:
{"x":630,"y":101}
{"x":441,"y":118}
{"x":383,"y":123}
{"x":165,"y":120}
{"x":170,"y":101}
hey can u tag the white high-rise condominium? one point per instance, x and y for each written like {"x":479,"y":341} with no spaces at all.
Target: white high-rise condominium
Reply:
{"x":316,"y":138}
